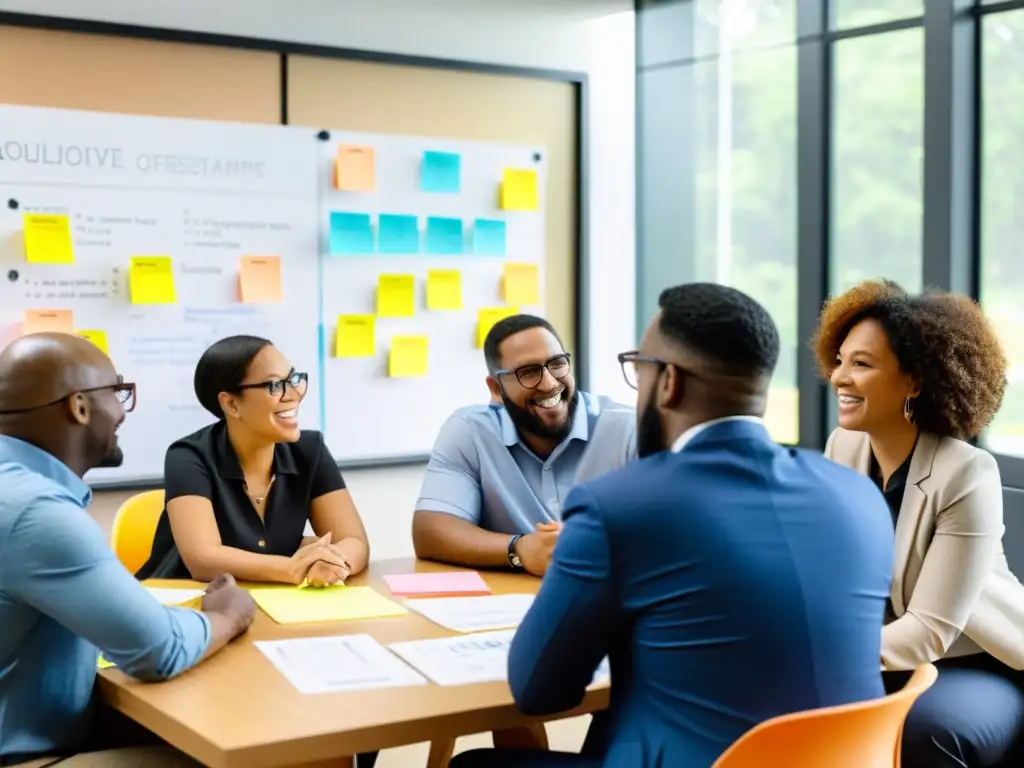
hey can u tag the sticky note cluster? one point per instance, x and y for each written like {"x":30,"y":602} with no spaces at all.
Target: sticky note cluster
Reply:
{"x":395,"y":234}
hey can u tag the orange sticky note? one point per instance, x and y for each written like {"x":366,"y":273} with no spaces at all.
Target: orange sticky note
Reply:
{"x":99,"y":338}
{"x":355,"y":168}
{"x":486,"y":318}
{"x":48,"y":321}
{"x":259,"y":279}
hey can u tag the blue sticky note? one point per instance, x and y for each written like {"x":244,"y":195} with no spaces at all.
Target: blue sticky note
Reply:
{"x":444,"y":235}
{"x":398,"y":234}
{"x":441,"y":172}
{"x":489,"y":237}
{"x":351,"y":233}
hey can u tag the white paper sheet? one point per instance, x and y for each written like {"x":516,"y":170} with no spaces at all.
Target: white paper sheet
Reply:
{"x":337,"y":664}
{"x":474,"y":614}
{"x":476,"y":658}
{"x":174,"y":596}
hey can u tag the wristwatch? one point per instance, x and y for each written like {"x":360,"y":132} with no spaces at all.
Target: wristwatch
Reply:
{"x":513,"y":559}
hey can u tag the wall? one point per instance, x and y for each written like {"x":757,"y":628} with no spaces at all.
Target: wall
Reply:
{"x":592,"y":36}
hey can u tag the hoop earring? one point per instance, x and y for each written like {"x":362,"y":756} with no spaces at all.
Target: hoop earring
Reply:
{"x":908,"y":410}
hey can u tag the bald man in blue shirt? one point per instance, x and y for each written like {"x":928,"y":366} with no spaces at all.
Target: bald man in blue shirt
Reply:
{"x":64,"y":596}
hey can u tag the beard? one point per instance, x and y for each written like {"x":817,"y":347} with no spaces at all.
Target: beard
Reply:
{"x":113,"y":457}
{"x":526,"y":421}
{"x":650,"y":433}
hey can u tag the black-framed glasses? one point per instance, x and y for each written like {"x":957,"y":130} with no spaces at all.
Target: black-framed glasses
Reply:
{"x":124,"y":391}
{"x":629,"y":362}
{"x":277,"y":387}
{"x":530,"y":376}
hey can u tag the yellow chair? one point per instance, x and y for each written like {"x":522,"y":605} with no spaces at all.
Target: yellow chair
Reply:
{"x":134,"y":527}
{"x":863,"y":735}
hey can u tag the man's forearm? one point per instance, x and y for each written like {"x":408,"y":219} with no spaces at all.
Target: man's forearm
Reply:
{"x":223,"y":629}
{"x":444,"y":537}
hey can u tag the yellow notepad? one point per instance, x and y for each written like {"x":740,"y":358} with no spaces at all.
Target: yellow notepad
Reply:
{"x":295,"y":606}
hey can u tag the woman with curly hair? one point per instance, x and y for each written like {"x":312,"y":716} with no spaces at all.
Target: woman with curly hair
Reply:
{"x":916,"y":377}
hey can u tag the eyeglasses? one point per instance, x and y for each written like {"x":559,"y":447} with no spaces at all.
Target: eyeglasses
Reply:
{"x":629,"y":362}
{"x":124,"y":392}
{"x":530,"y":376}
{"x":277,"y":388}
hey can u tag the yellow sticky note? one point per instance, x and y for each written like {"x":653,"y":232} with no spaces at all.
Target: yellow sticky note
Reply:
{"x":486,"y":318}
{"x":407,"y":356}
{"x":295,"y":606}
{"x":99,"y":338}
{"x":444,"y":289}
{"x":259,"y":279}
{"x":396,"y":296}
{"x":102,"y":663}
{"x":48,"y":239}
{"x":355,"y":168}
{"x":151,"y":280}
{"x":521,"y":285}
{"x":519,"y":190}
{"x":355,"y":336}
{"x":48,"y":321}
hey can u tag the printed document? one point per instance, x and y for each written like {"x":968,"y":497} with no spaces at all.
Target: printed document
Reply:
{"x":474,"y":614}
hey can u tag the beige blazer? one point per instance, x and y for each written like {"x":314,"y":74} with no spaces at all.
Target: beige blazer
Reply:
{"x":952,"y":591}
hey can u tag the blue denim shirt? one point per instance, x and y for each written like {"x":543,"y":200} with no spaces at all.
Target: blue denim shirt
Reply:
{"x":64,"y":596}
{"x":480,"y":471}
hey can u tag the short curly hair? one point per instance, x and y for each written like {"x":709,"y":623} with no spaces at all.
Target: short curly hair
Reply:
{"x":724,"y":325}
{"x":943,"y":340}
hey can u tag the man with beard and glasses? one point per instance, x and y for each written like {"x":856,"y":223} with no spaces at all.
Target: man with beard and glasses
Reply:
{"x":64,"y":596}
{"x":499,"y":473}
{"x":728,"y":579}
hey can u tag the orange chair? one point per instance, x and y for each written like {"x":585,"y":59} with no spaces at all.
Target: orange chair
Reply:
{"x":863,"y":735}
{"x":134,"y":527}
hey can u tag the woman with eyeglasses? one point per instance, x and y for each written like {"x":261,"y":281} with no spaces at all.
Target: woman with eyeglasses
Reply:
{"x":239,"y":492}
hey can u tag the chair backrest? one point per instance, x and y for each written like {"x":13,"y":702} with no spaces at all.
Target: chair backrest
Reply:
{"x":862,"y":735}
{"x":131,"y":538}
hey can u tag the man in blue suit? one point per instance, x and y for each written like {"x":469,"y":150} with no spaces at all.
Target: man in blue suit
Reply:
{"x":728,"y":579}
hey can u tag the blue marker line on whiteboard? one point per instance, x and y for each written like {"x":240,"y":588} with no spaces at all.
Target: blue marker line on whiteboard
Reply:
{"x":322,"y":362}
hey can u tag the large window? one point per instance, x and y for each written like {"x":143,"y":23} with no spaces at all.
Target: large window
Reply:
{"x":745,"y":192}
{"x":877,"y":156}
{"x":717,"y":163}
{"x":1002,"y":211}
{"x":862,"y":13}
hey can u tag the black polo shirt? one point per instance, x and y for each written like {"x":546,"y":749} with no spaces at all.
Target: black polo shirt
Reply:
{"x":204,"y":464}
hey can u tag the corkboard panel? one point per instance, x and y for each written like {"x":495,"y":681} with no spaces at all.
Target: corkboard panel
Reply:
{"x":72,"y":70}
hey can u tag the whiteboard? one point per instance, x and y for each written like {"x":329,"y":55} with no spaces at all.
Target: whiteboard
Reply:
{"x":208,"y":193}
{"x":203,"y":193}
{"x":367,"y":414}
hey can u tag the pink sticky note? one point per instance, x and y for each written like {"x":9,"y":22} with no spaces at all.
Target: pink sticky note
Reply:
{"x":437,"y":584}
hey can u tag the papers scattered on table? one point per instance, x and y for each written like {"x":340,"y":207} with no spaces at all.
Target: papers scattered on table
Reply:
{"x":474,"y":614}
{"x":175,"y":596}
{"x":437,"y":584}
{"x":338,"y":664}
{"x":478,"y":658}
{"x":289,"y":605}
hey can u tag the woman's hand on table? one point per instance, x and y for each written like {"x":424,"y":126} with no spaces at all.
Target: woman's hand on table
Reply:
{"x":320,"y":552}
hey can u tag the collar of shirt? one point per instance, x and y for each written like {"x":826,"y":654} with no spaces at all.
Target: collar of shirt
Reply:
{"x":580,"y":424}
{"x":226,"y":459}
{"x":15,"y":451}
{"x":695,"y":430}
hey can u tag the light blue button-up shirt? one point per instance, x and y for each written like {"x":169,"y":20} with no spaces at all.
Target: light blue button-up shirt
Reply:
{"x":481,"y":472}
{"x":63,"y":597}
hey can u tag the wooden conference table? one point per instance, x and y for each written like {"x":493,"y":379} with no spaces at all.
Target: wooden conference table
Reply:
{"x":237,"y":711}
